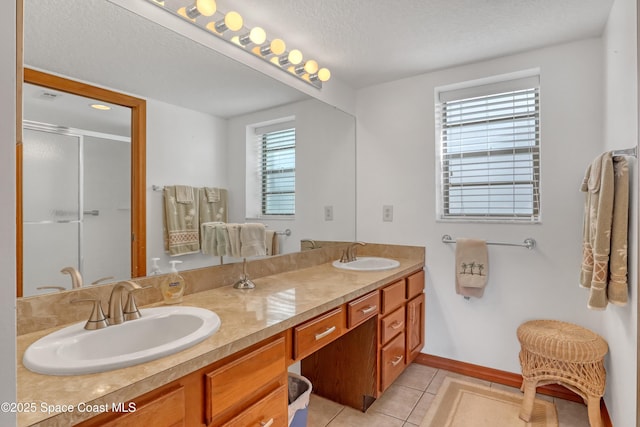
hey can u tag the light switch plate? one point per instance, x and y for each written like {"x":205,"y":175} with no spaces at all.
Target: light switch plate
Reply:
{"x":328,"y":213}
{"x":387,"y":213}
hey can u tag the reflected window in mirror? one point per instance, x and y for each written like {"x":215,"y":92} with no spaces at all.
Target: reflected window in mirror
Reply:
{"x":272,"y":153}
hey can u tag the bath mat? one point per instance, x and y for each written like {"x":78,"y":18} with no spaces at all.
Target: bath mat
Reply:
{"x":465,"y":404}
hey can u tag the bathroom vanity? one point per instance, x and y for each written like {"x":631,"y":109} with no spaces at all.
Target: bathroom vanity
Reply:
{"x":353,"y":332}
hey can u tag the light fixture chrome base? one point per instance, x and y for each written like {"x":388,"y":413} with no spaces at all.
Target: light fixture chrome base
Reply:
{"x":244,"y":283}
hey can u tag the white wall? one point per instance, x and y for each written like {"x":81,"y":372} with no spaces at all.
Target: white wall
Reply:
{"x":396,"y":162}
{"x":619,"y":324}
{"x":325,"y":176}
{"x":8,"y":209}
{"x":184,"y":147}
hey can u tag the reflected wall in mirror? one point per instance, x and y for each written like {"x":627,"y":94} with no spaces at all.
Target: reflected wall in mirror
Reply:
{"x":82,"y":185}
{"x":200,"y":105}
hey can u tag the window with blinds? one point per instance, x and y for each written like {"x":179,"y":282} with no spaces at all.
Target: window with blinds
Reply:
{"x":277,"y":156}
{"x":490,"y":153}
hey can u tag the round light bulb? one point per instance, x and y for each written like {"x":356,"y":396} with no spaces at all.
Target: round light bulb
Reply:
{"x":311,"y":66}
{"x":257,"y":35}
{"x":183,"y":12}
{"x":233,"y":21}
{"x":295,"y":57}
{"x":277,"y":46}
{"x":206,"y":7}
{"x":324,"y":74}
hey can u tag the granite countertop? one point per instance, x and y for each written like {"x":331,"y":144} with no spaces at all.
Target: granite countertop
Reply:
{"x":278,"y":302}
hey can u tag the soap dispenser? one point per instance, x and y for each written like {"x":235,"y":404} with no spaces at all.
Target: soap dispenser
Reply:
{"x":155,"y":269}
{"x":173,"y":286}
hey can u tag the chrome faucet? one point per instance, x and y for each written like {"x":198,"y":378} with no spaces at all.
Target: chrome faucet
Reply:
{"x":118,"y":314}
{"x":76,"y":277}
{"x":311,"y":242}
{"x":349,"y":254}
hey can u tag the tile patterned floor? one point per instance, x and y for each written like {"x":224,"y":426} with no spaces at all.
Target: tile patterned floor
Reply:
{"x":406,"y":402}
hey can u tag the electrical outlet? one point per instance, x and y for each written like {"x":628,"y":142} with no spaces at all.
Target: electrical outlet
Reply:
{"x":328,"y":213}
{"x":387,"y":213}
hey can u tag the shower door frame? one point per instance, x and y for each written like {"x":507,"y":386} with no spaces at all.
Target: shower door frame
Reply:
{"x":80,"y":134}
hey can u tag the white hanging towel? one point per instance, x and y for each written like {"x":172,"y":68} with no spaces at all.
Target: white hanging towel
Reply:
{"x":472,"y":267}
{"x":252,"y":240}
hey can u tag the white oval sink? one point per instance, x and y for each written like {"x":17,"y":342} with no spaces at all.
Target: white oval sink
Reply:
{"x":367,"y":263}
{"x":159,"y":332}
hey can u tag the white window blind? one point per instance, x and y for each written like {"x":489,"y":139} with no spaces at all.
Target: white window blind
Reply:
{"x":277,"y":157}
{"x":490,"y":155}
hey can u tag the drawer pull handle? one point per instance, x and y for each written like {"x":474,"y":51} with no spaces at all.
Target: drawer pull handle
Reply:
{"x":397,"y":360}
{"x":325,"y":333}
{"x":266,"y":423}
{"x":369,"y":309}
{"x":396,"y":325}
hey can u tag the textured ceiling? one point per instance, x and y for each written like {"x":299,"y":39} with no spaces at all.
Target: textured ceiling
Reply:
{"x":363,"y":42}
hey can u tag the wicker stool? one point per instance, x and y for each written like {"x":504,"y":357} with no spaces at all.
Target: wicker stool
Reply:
{"x":563,"y":353}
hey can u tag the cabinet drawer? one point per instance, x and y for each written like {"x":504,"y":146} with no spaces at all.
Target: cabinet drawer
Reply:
{"x":271,"y":411}
{"x":393,"y":296}
{"x":415,"y":284}
{"x":392,"y":361}
{"x":362,"y":309}
{"x":316,"y":333}
{"x":392,"y":325}
{"x":167,"y":410}
{"x":244,"y":379}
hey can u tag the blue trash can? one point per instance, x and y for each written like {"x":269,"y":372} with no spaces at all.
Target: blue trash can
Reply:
{"x":299,"y":393}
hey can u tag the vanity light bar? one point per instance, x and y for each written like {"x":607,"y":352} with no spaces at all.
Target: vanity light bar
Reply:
{"x":230,"y":27}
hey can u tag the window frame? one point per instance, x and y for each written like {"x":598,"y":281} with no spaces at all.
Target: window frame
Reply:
{"x":488,"y":89}
{"x":266,"y":172}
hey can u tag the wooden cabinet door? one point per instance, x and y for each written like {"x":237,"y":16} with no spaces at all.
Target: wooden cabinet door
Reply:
{"x":415,"y":327}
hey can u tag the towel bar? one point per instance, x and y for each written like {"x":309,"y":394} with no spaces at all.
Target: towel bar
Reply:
{"x":528,"y":243}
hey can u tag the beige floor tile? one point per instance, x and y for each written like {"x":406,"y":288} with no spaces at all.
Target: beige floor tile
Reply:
{"x":397,"y":401}
{"x":405,"y":405}
{"x":416,"y":376}
{"x":418,"y":413}
{"x":352,"y":418}
{"x":322,"y":411}
{"x":571,"y":414}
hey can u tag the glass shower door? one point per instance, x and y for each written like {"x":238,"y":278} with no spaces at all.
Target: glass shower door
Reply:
{"x":52,"y":201}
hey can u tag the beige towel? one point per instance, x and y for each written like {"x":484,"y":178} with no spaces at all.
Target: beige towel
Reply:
{"x":605,"y":231}
{"x":222,"y":238}
{"x":184,"y":194}
{"x":209,"y":238}
{"x":233,"y":231}
{"x":271,"y":242}
{"x":180,"y":222}
{"x":252,"y":238}
{"x":213,"y":205}
{"x":472,"y":267}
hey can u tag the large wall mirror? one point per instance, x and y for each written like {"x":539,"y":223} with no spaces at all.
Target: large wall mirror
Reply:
{"x":200,"y":108}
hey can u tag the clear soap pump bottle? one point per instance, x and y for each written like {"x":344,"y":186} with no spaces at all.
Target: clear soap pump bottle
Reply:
{"x":155,"y":269}
{"x":173,"y":286}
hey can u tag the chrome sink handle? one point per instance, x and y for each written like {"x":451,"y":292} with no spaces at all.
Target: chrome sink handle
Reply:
{"x":130,"y":310}
{"x":97,"y":319}
{"x":116,"y":312}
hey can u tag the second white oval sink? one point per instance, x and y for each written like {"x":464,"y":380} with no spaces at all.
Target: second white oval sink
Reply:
{"x":159,"y":332}
{"x":367,"y":263}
